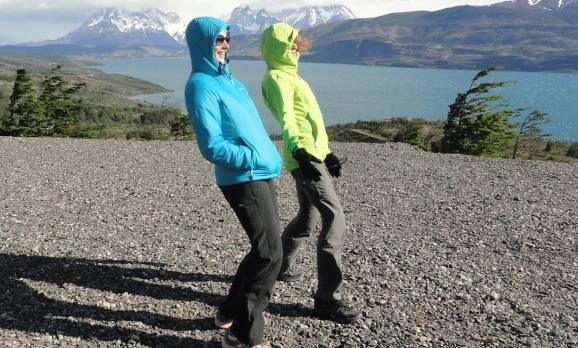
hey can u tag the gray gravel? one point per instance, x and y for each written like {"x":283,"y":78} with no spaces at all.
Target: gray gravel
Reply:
{"x":120,"y":243}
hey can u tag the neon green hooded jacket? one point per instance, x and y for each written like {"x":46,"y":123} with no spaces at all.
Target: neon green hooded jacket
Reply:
{"x":290,"y":98}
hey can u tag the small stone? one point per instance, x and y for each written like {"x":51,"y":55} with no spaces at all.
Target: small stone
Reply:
{"x":389,"y":341}
{"x":522,"y":331}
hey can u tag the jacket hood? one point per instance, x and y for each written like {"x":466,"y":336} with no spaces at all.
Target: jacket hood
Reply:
{"x":275,"y":47}
{"x":201,"y":34}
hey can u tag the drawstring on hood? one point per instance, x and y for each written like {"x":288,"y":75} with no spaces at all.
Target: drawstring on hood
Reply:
{"x":276,"y":44}
{"x":201,"y":34}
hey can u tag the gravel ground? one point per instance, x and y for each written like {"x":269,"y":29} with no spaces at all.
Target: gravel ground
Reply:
{"x":120,"y":243}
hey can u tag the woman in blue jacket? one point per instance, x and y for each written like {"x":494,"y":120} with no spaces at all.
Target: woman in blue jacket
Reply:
{"x":230,"y":134}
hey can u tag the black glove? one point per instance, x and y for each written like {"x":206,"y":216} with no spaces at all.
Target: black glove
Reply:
{"x":333,"y":165}
{"x":304,"y":159}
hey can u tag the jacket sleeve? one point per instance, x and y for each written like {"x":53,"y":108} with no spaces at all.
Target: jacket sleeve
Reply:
{"x":204,"y":111}
{"x":278,"y":96}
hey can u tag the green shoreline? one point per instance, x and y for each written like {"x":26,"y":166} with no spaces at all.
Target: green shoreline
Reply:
{"x":119,"y":116}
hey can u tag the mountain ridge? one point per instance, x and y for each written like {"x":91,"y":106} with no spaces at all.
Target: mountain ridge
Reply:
{"x":121,"y":27}
{"x":245,"y":20}
{"x":518,"y":35}
{"x":462,"y":37}
{"x":550,"y":5}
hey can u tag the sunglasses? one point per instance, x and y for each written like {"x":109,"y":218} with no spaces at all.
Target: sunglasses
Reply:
{"x":221,"y":39}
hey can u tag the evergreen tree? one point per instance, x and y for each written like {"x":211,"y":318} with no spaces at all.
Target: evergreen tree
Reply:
{"x":59,"y":103}
{"x":530,"y":129}
{"x":181,"y":128}
{"x":23,"y":116}
{"x":474,"y":126}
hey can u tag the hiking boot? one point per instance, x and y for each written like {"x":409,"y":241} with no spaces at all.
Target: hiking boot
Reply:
{"x":230,"y":341}
{"x":336,"y":311}
{"x":289,"y":276}
{"x":222,"y":321}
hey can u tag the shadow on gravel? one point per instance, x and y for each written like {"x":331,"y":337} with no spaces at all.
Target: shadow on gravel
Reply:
{"x":26,"y":309}
{"x":290,"y":310}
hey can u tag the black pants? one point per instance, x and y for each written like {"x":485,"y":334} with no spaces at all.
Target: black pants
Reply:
{"x":255,"y":204}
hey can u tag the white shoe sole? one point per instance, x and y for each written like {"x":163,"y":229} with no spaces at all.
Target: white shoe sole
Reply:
{"x":222,"y":324}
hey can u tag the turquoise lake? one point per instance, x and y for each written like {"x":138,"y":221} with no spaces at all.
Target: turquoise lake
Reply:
{"x":347,"y":93}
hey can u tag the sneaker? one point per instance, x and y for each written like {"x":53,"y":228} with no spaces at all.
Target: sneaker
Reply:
{"x":336,"y":311}
{"x":222,"y":321}
{"x":230,"y":341}
{"x":289,"y":276}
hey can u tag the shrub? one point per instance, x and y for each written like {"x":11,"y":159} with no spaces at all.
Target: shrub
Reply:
{"x":573,"y":150}
{"x":145,"y":133}
{"x":411,"y":134}
{"x":550,"y":146}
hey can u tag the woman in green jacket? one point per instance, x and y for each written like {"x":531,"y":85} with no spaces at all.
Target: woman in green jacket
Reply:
{"x":308,"y":157}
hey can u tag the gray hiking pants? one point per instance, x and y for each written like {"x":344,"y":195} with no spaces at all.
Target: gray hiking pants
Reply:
{"x":318,"y":199}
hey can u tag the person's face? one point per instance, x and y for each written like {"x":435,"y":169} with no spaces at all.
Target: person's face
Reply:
{"x":222,"y":45}
{"x":299,"y":45}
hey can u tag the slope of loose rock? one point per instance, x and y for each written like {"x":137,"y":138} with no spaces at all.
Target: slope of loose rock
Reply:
{"x":108,"y":243}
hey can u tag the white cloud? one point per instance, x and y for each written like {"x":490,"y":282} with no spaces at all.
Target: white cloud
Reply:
{"x":40,"y":19}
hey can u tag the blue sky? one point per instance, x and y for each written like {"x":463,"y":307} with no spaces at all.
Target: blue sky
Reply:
{"x":36,"y":20}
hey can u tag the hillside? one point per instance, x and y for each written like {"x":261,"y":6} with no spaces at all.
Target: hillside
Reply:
{"x":106,"y":104}
{"x":103,"y":89}
{"x":108,"y":243}
{"x":519,"y":35}
{"x":463,"y":37}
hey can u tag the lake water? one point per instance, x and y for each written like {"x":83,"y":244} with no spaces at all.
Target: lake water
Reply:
{"x":347,"y":93}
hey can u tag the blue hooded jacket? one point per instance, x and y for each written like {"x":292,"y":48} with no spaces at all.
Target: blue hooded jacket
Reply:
{"x":228,"y":128}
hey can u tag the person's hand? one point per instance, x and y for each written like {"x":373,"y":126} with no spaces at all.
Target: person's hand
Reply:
{"x":333,"y":165}
{"x":304,"y":159}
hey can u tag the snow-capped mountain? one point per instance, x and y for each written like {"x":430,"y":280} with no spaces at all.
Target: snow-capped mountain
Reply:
{"x":310,"y":16}
{"x":246,"y":20}
{"x":116,"y":26}
{"x":549,"y":5}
